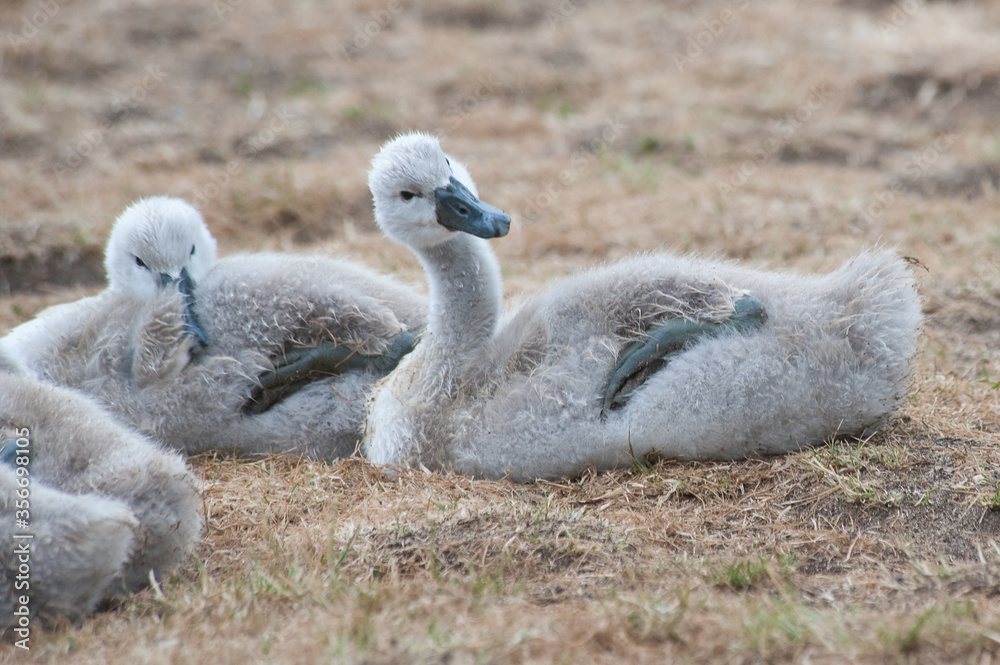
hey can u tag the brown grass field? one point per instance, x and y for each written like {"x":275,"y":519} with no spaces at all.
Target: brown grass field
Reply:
{"x":783,"y":134}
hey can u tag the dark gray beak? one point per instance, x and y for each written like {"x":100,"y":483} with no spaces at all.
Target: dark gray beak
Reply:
{"x":186,"y":286}
{"x":458,"y":209}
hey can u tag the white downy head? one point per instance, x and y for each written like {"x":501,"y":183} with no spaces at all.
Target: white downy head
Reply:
{"x":152,"y":242}
{"x":422,"y":197}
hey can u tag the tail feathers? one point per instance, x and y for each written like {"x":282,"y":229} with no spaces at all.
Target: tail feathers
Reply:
{"x":882,"y":318}
{"x":881,"y":307}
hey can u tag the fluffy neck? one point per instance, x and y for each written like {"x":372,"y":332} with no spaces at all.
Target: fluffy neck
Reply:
{"x":465,"y":294}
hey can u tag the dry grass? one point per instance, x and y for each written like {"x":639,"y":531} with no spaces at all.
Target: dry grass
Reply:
{"x":886,"y":550}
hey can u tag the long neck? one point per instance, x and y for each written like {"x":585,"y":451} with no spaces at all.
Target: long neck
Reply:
{"x":465,"y":293}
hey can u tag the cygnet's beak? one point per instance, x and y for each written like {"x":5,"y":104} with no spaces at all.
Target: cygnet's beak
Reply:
{"x":458,"y":209}
{"x":186,"y":286}
{"x":8,"y":452}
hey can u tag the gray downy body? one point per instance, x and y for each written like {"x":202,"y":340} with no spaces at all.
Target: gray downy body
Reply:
{"x":519,"y":395}
{"x":133,"y":348}
{"x":107,"y":507}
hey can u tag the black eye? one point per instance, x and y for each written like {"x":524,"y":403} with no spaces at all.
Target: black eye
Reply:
{"x":192,"y":250}
{"x":139,"y":262}
{"x":406,"y":196}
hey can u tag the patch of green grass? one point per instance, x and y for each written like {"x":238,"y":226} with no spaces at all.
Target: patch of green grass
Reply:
{"x":890,"y":454}
{"x":245,"y":85}
{"x":444,"y":507}
{"x":375,"y":114}
{"x":990,"y":383}
{"x":438,"y":636}
{"x":648,"y":145}
{"x":82,"y":238}
{"x":641,"y":174}
{"x":638,"y":465}
{"x":843,"y":455}
{"x":303,"y":86}
{"x":335,"y":558}
{"x":562,"y":106}
{"x":742,"y":575}
{"x":852,"y":468}
{"x":489,"y":584}
{"x":543,"y":511}
{"x":362,"y":630}
{"x":955,"y":622}
{"x":989,"y":501}
{"x":355,"y":114}
{"x":908,"y":641}
{"x":925,"y":500}
{"x":787,"y":623}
